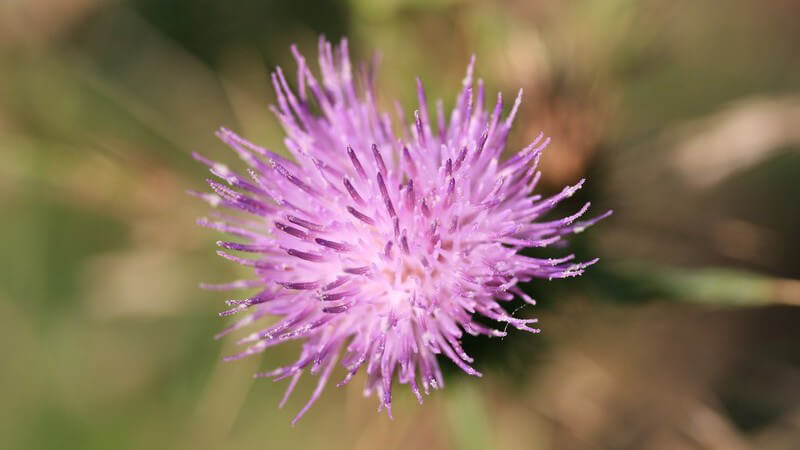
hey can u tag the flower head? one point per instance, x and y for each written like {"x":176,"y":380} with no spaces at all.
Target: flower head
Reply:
{"x":379,"y":248}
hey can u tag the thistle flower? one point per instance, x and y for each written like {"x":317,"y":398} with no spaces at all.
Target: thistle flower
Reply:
{"x":376,"y":248}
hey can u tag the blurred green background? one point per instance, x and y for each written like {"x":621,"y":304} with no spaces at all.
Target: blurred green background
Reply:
{"x":684,"y":115}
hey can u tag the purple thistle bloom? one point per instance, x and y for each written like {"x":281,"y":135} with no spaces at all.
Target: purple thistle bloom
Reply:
{"x":379,"y":249}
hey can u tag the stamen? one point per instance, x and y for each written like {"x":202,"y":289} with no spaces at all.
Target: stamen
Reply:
{"x":352,"y":191}
{"x":305,"y":255}
{"x":379,"y":159}
{"x":361,"y":216}
{"x":356,"y":163}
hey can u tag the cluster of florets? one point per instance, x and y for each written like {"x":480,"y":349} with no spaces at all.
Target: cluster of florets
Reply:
{"x":379,"y":248}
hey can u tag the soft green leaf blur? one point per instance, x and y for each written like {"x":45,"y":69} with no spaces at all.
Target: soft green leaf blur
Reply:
{"x":683,"y":115}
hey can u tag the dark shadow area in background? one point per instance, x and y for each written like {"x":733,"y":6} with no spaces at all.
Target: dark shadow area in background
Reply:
{"x":209,"y":28}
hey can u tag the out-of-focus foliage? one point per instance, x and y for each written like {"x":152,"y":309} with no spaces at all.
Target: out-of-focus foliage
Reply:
{"x":684,"y":116}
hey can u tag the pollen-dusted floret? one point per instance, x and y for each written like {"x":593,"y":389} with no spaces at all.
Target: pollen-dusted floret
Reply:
{"x":379,"y":249}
